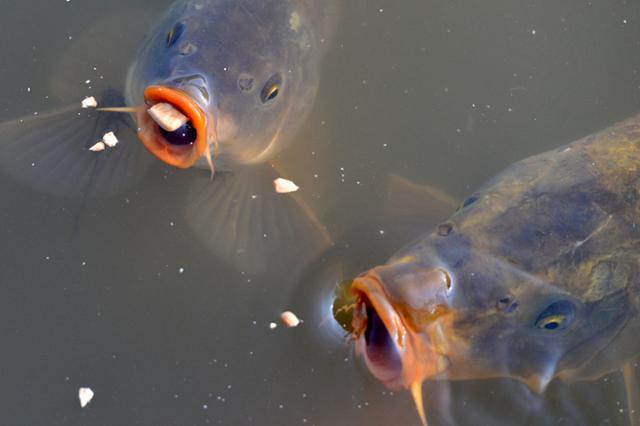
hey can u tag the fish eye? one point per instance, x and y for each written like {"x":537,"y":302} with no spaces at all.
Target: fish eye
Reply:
{"x":556,"y":316}
{"x":174,"y":34}
{"x":271,"y":88}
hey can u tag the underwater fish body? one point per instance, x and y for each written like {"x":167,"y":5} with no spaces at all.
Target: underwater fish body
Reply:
{"x":535,"y":276}
{"x":245,"y":73}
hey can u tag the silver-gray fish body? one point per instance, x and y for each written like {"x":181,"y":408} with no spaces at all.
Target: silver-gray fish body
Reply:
{"x":536,"y":276}
{"x":252,"y":66}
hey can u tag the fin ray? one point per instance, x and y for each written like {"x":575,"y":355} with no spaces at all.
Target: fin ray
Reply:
{"x":241,"y":218}
{"x":50,"y":152}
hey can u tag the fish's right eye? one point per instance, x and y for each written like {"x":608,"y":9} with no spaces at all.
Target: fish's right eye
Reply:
{"x":556,"y":316}
{"x":174,"y":34}
{"x":271,"y":88}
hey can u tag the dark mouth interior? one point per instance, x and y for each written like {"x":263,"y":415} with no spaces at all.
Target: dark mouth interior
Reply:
{"x":376,"y":334}
{"x":382,"y":354}
{"x":184,"y":135}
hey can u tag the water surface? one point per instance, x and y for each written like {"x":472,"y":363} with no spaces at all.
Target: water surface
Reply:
{"x":118,"y":294}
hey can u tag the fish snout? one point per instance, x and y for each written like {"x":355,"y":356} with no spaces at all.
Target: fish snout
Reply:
{"x":398,"y":329}
{"x":173,"y":126}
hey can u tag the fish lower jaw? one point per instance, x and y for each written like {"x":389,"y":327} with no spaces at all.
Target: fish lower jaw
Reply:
{"x":420,"y":354}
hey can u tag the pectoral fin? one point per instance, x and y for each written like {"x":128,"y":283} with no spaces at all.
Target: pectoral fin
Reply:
{"x":405,"y":198}
{"x":50,"y":152}
{"x":244,"y":221}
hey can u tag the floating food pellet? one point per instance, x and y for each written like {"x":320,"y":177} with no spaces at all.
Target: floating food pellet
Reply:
{"x":272,"y":325}
{"x":97,"y":147}
{"x":110,"y":139}
{"x":284,"y":186}
{"x":89,"y":102}
{"x":167,"y":116}
{"x":85,"y":395}
{"x":289,"y":319}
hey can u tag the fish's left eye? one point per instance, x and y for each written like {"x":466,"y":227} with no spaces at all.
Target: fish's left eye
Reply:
{"x":556,"y":316}
{"x":271,"y":88}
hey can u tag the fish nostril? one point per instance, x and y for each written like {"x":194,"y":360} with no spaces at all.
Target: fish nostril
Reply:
{"x":188,"y":48}
{"x":245,"y":82}
{"x":507,"y":304}
{"x":444,"y":229}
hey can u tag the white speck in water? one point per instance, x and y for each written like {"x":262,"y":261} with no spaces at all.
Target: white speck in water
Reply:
{"x":284,"y":186}
{"x":381,"y":10}
{"x":110,"y":139}
{"x":85,"y":395}
{"x":624,"y":21}
{"x":84,"y":263}
{"x":381,"y":232}
{"x":89,"y":102}
{"x":272,"y":325}
{"x":290,"y":319}
{"x":254,"y":196}
{"x":181,"y":270}
{"x":98,"y":146}
{"x":533,"y":32}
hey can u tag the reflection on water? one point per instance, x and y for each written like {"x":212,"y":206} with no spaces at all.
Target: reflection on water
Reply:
{"x":118,"y":294}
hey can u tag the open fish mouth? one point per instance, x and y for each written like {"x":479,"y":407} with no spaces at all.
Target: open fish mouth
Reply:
{"x":181,"y":147}
{"x":395,"y":353}
{"x":380,"y":337}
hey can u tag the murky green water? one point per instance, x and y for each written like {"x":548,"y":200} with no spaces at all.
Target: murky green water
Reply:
{"x":118,"y":294}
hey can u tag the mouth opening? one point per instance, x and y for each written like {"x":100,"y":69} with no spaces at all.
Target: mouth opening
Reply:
{"x":180,"y":147}
{"x":378,"y":345}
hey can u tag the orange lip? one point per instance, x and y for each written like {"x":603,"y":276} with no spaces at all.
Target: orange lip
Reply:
{"x":149,"y":132}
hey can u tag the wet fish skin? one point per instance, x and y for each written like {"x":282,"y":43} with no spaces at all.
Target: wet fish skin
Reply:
{"x":538,"y":274}
{"x":229,"y":56}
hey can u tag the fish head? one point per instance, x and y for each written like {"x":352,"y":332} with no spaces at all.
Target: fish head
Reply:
{"x":244,"y":75}
{"x":446,"y":307}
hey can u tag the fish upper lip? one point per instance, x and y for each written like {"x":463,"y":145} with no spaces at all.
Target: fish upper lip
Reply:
{"x":371,"y":290}
{"x":420,"y":358}
{"x":151,"y":137}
